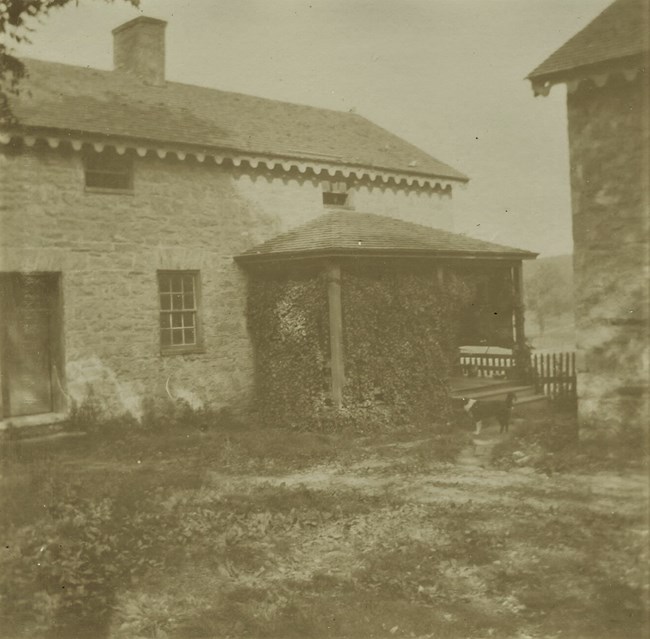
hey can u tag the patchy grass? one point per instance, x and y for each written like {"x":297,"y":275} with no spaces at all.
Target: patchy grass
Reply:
{"x":242,"y":532}
{"x":549,"y":442}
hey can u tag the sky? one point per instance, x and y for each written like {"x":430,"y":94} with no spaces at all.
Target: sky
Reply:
{"x":446,"y":75}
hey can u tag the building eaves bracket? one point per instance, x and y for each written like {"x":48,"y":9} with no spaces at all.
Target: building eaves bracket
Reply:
{"x":599,"y":77}
{"x":245,"y":161}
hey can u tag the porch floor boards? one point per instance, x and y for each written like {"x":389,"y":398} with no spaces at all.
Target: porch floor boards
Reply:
{"x":495,"y":389}
{"x":462,"y":384}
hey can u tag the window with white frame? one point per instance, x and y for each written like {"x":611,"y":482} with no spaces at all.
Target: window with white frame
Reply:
{"x":179,"y":299}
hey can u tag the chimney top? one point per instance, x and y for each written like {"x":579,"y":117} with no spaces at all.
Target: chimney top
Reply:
{"x":138,"y":21}
{"x":139,"y":49}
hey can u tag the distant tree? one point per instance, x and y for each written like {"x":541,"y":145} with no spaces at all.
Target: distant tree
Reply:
{"x":548,"y":293}
{"x":17,"y":18}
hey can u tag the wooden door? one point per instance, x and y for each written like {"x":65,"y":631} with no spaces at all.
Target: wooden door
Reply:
{"x":26,"y":342}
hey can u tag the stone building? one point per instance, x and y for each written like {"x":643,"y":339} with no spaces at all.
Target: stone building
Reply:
{"x":605,"y":69}
{"x":124,"y":199}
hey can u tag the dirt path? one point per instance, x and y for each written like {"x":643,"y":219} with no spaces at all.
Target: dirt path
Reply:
{"x":471,"y":479}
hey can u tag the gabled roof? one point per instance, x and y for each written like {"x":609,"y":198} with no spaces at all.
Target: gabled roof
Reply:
{"x":619,"y":33}
{"x":113,"y":103}
{"x":357,"y":234}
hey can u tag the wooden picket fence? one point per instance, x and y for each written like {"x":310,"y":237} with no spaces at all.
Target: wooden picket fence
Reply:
{"x":554,"y":374}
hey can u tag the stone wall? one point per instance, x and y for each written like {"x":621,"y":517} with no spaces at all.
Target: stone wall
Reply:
{"x":608,"y":137}
{"x":108,"y":247}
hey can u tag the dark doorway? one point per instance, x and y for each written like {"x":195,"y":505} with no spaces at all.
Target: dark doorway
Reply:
{"x":30,"y":343}
{"x":488,"y":318}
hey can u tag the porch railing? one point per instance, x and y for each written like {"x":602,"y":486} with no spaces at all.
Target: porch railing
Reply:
{"x":553,"y":374}
{"x":486,"y":365}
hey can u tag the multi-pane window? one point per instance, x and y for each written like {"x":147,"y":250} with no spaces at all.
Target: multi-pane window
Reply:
{"x":178,"y":292}
{"x":108,"y":171}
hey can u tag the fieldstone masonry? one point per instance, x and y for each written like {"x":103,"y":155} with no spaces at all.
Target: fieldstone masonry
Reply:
{"x":608,"y":137}
{"x":181,"y":215}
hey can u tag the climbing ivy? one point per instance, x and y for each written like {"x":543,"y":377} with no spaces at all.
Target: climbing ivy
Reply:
{"x":288,"y":323}
{"x":400,"y":342}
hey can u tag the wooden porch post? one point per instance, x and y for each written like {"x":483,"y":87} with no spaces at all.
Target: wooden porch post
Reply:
{"x":518,"y":311}
{"x":336,"y":332}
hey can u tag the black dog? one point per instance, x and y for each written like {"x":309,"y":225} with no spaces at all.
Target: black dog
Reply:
{"x":480,"y":410}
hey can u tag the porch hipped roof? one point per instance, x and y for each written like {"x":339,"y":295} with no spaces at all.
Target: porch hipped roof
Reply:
{"x":352,"y":234}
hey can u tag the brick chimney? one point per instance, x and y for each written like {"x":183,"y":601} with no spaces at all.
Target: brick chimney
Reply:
{"x":139,"y":48}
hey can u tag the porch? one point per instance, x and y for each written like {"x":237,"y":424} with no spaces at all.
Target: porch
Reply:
{"x":493,"y":373}
{"x":495,"y":389}
{"x":363,"y":314}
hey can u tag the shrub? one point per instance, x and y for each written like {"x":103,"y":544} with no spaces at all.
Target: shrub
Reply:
{"x":63,"y":581}
{"x":67,"y":567}
{"x":86,"y":416}
{"x":158,"y":416}
{"x":167,"y":415}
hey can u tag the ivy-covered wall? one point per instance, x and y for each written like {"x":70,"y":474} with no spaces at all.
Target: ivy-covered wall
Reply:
{"x":401,"y":327}
{"x":401,"y":337}
{"x":288,"y":323}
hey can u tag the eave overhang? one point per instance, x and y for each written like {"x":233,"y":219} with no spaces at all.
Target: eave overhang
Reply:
{"x":628,"y":68}
{"x":246,"y":259}
{"x":313,"y":166}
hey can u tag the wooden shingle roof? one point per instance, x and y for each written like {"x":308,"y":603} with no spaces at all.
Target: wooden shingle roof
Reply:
{"x":619,"y":33}
{"x":76,"y":99}
{"x":357,"y":234}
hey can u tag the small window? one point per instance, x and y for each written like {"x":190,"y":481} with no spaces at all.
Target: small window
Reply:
{"x":108,"y":171}
{"x":334,"y":199}
{"x":178,"y":293}
{"x":336,"y":194}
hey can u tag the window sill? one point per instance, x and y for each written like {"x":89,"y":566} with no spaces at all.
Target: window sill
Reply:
{"x":182,"y":350}
{"x":97,"y":189}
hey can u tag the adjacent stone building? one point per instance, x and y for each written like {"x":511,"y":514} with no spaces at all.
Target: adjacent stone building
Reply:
{"x":124,"y":199}
{"x":606,"y":71}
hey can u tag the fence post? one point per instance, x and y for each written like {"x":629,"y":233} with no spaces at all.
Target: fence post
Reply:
{"x":554,"y":374}
{"x":574,"y":388}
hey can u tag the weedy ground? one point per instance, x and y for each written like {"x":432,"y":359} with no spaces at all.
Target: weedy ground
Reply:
{"x":246,"y":532}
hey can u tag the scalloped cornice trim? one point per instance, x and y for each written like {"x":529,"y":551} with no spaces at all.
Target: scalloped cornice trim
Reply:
{"x":244,"y":161}
{"x":599,"y":78}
